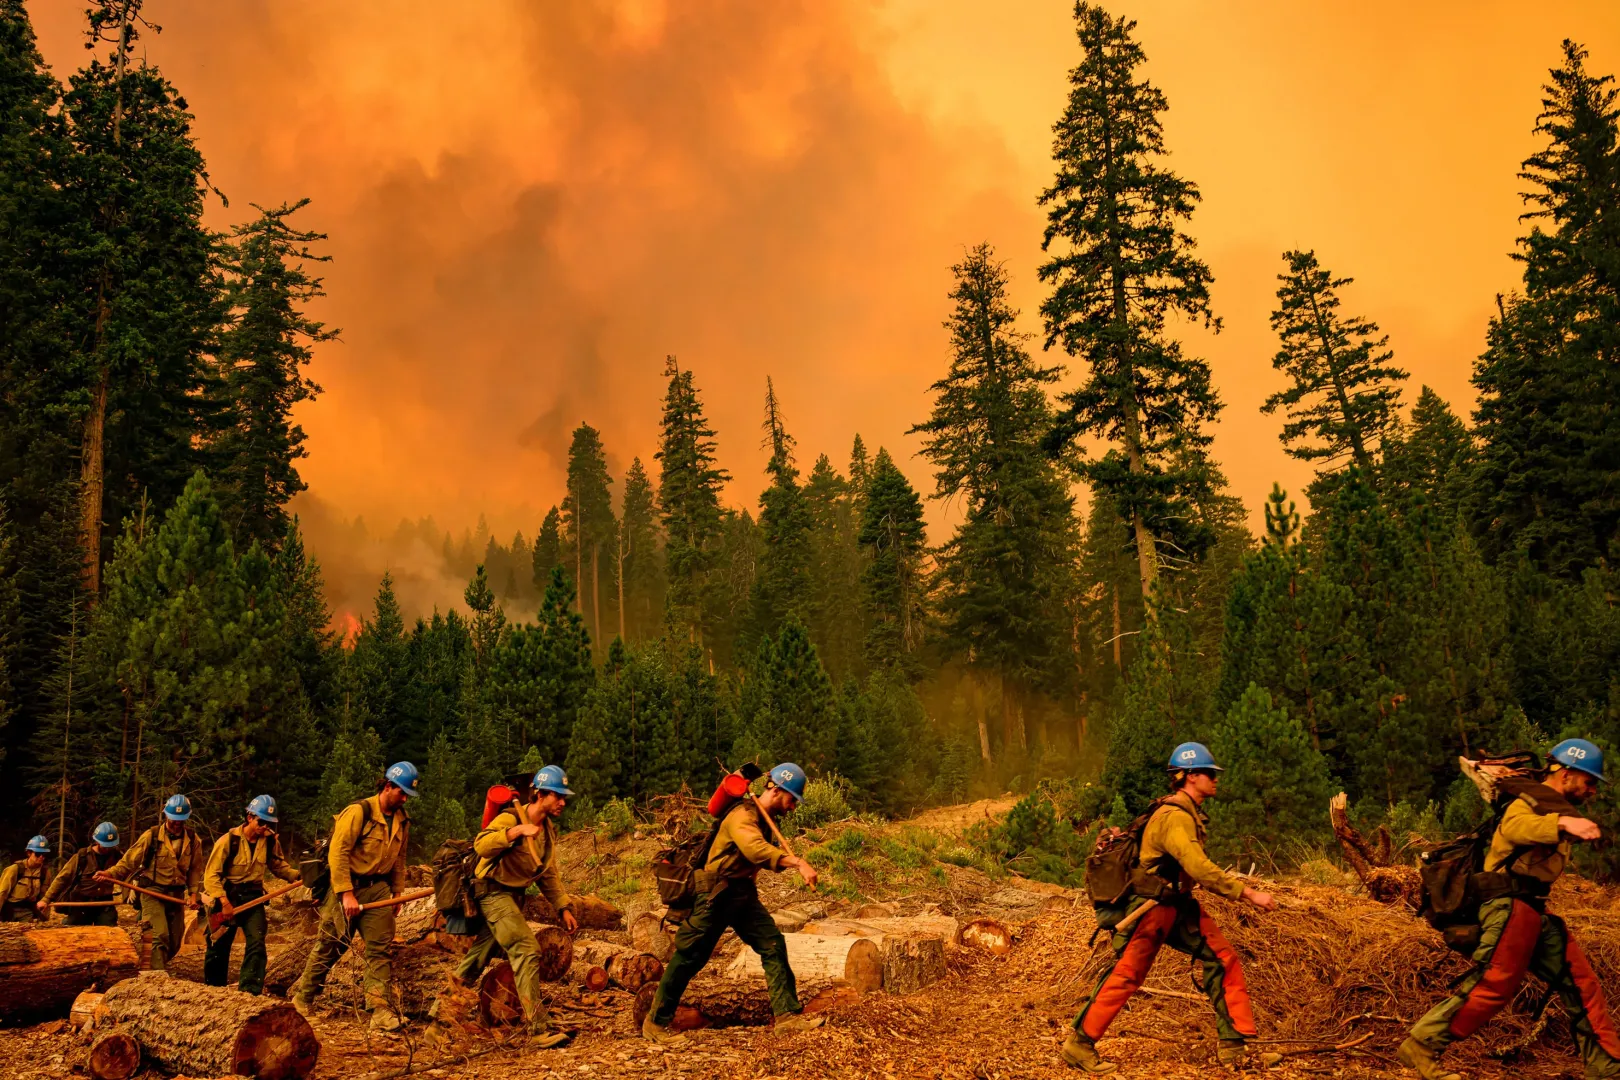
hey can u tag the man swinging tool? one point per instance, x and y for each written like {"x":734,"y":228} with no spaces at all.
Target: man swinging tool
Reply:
{"x":1161,"y":911}
{"x":728,"y":897}
{"x":1529,"y":852}
{"x":23,"y":883}
{"x":237,"y":866}
{"x":79,"y":881}
{"x":167,"y":858}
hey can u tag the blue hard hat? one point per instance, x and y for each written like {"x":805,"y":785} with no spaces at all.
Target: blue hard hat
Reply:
{"x":263,"y":807}
{"x":553,"y":779}
{"x":790,"y":778}
{"x":39,"y":845}
{"x":1192,"y":755}
{"x":402,"y":774}
{"x":178,"y":808}
{"x":1579,"y":754}
{"x":106,"y":835}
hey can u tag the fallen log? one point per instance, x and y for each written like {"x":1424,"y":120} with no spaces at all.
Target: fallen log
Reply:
{"x":554,"y":952}
{"x":855,"y":961}
{"x":213,"y":1031}
{"x":591,"y":910}
{"x":714,"y":1001}
{"x":987,"y":934}
{"x":115,"y":1055}
{"x":592,"y":977}
{"x":648,"y":935}
{"x":86,"y":1011}
{"x":625,"y":966}
{"x":940,"y":926}
{"x":498,"y":1002}
{"x":43,"y":968}
{"x":286,"y":967}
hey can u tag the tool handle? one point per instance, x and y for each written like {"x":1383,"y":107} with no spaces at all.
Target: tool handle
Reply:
{"x":219,"y":918}
{"x":395,"y":901}
{"x":1131,"y":920}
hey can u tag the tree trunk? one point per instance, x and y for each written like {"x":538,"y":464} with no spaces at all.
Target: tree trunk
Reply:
{"x":989,"y":935}
{"x":1119,"y":633}
{"x":984,"y":736}
{"x":285,"y":968}
{"x":92,"y":466}
{"x":712,"y":1001}
{"x":498,"y":1002}
{"x":213,"y":1031}
{"x":626,"y":967}
{"x":554,"y":952}
{"x":86,"y":1011}
{"x":1384,"y":883}
{"x":596,"y":591}
{"x":42,"y":969}
{"x":648,"y":935}
{"x":591,"y":910}
{"x":912,"y":961}
{"x":622,"y":636}
{"x":856,"y":961}
{"x":592,"y":977}
{"x":115,"y":1055}
{"x":943,"y":927}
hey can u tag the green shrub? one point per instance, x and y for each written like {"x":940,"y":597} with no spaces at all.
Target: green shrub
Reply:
{"x":1032,"y":841}
{"x":615,"y":819}
{"x":825,"y":801}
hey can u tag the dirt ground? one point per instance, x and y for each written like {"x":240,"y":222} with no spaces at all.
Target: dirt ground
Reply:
{"x":993,"y":1018}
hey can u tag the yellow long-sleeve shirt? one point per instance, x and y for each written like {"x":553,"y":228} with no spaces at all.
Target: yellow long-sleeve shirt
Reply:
{"x":740,"y":849}
{"x":1176,"y":831}
{"x":76,"y":879}
{"x":511,"y":862}
{"x":1543,"y":851}
{"x":250,"y":863}
{"x":179,"y":860}
{"x":20,"y":885}
{"x":367,"y":842}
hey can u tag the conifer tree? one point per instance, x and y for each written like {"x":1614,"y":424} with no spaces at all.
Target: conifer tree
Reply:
{"x":311,"y":646}
{"x":1342,"y":401}
{"x":1165,"y":702}
{"x":790,"y":703}
{"x":641,"y":573}
{"x":832,"y":607}
{"x":547,"y":550}
{"x":1120,"y":265}
{"x":894,"y":583}
{"x":782,"y":585}
{"x":1275,"y":784}
{"x":593,"y":532}
{"x":263,"y":349}
{"x":378,"y":667}
{"x":1430,"y":459}
{"x":10,"y":621}
{"x":352,"y":767}
{"x":1015,"y":547}
{"x":689,"y":486}
{"x":860,"y":467}
{"x":486,"y":622}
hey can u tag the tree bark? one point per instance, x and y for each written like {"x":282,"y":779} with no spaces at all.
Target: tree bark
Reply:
{"x":92,"y":471}
{"x":554,"y":951}
{"x":858,"y":962}
{"x":592,"y":977}
{"x":912,"y":961}
{"x":648,"y":935}
{"x":987,"y":934}
{"x":591,"y":910}
{"x":625,"y":966}
{"x":1384,"y":883}
{"x":43,"y":968}
{"x":213,"y":1031}
{"x":716,"y":1001}
{"x":115,"y":1055}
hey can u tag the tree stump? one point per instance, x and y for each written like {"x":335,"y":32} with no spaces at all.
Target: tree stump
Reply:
{"x":648,"y":935}
{"x":592,"y":977}
{"x":856,"y":961}
{"x":498,"y":1001}
{"x":554,"y":951}
{"x":1371,"y":861}
{"x":114,"y":1055}
{"x":987,"y":934}
{"x":86,"y":1011}
{"x":912,"y":961}
{"x":43,"y":968}
{"x":591,"y":910}
{"x":213,"y":1031}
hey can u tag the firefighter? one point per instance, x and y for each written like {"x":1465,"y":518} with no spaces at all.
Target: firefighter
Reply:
{"x":1172,"y":860}
{"x":77,"y":881}
{"x":23,"y":883}
{"x":1529,"y":852}
{"x":167,"y":858}
{"x":237,"y":866}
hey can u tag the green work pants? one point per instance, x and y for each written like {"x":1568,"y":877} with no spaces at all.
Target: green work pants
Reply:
{"x":506,"y":931}
{"x":376,"y":930}
{"x":254,"y":924}
{"x":21,"y":911}
{"x":1516,"y":939}
{"x":735,"y":905}
{"x":91,"y":916}
{"x":167,"y":922}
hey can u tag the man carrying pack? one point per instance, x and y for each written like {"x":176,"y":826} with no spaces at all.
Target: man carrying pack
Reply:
{"x":23,"y":883}
{"x":1172,"y":860}
{"x":366,"y":859}
{"x":517,"y":850}
{"x":167,"y":858}
{"x":728,"y":897}
{"x":77,"y":881}
{"x":1528,"y":853}
{"x":237,"y":866}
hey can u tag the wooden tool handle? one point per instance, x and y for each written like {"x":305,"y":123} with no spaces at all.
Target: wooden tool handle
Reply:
{"x":1130,"y":920}
{"x":394,"y":901}
{"x":85,"y":903}
{"x":219,"y":918}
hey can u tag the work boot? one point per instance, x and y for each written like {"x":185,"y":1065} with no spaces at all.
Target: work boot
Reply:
{"x":385,"y":1019}
{"x":1081,"y":1053}
{"x":659,"y":1034}
{"x":788,"y":1025}
{"x":1423,"y":1061}
{"x":543,"y":1037}
{"x":1235,"y":1052}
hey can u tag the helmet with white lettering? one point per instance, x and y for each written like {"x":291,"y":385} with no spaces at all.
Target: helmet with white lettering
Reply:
{"x":553,"y":779}
{"x":106,"y":835}
{"x":263,"y":807}
{"x":790,"y":778}
{"x":1580,"y":755}
{"x":1191,"y":756}
{"x":403,"y":775}
{"x":39,"y":845}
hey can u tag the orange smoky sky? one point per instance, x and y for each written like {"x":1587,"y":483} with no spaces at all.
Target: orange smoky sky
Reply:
{"x":531,"y":203}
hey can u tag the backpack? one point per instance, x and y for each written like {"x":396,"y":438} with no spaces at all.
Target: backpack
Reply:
{"x":675,"y":869}
{"x":453,"y":866}
{"x":314,"y":870}
{"x":1114,"y":867}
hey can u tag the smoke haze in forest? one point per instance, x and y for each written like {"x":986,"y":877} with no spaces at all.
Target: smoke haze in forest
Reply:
{"x":531,"y":204}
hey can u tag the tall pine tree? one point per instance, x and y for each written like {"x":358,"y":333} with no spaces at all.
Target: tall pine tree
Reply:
{"x":689,"y":486}
{"x":894,"y":583}
{"x":588,"y":514}
{"x":641,"y":563}
{"x":782,"y":586}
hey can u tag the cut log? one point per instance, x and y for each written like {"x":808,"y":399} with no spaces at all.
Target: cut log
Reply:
{"x":940,"y":926}
{"x":625,"y":966}
{"x":213,"y":1031}
{"x":912,"y":961}
{"x":43,"y":968}
{"x":856,"y":961}
{"x":873,"y":911}
{"x":115,"y":1055}
{"x":592,"y":977}
{"x":648,"y":935}
{"x":987,"y":934}
{"x":712,"y":1001}
{"x":286,"y":967}
{"x":554,"y":950}
{"x":498,"y":1002}
{"x":86,"y":1011}
{"x":591,"y":910}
